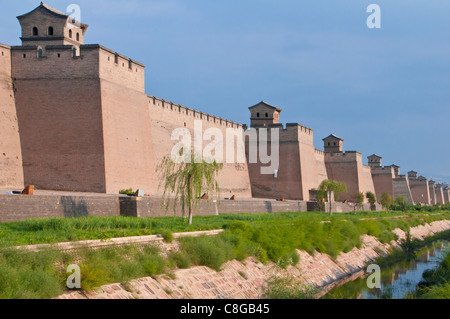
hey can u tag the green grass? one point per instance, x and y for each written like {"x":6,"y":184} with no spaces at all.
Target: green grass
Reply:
{"x":40,"y":231}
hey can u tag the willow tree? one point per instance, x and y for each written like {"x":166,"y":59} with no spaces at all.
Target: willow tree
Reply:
{"x":187,"y":181}
{"x":331,"y":187}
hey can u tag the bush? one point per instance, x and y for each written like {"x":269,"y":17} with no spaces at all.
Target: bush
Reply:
{"x":167,"y":235}
{"x":371,"y":198}
{"x":212,"y":252}
{"x":286,"y":287}
{"x":180,"y":260}
{"x":127,"y":192}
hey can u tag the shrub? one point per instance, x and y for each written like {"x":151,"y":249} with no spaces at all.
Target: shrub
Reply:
{"x":127,"y":191}
{"x":286,"y":287}
{"x":167,"y":235}
{"x":180,"y":260}
{"x":207,"y":251}
{"x":371,"y":198}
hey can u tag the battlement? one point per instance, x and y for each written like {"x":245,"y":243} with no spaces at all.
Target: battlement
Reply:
{"x":348,"y":154}
{"x":64,"y":62}
{"x":5,"y":61}
{"x":379,"y":170}
{"x":319,"y":152}
{"x":4,"y":46}
{"x":190,"y":113}
{"x":293,"y":132}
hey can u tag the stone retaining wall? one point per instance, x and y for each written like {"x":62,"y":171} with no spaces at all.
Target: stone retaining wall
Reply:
{"x":151,"y":207}
{"x":14,"y":208}
{"x":246,"y":280}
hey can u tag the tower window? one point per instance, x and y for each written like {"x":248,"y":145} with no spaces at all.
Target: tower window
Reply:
{"x":70,"y":34}
{"x":35,"y":31}
{"x":40,"y":53}
{"x":78,"y":36}
{"x":257,"y":114}
{"x":267,"y":114}
{"x":50,"y":31}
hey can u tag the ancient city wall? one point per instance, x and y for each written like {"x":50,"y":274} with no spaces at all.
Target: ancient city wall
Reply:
{"x":348,"y":168}
{"x":308,"y":162}
{"x":366,"y":181}
{"x":420,"y":191}
{"x":127,"y":134}
{"x":432,"y":188}
{"x":298,"y":172}
{"x":167,"y":117}
{"x":383,"y":181}
{"x":447,"y":196}
{"x":440,"y":195}
{"x":11,"y":173}
{"x":321,"y":167}
{"x":60,"y":118}
{"x":401,"y":187}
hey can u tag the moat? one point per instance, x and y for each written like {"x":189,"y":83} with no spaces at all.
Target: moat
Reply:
{"x":398,"y":281}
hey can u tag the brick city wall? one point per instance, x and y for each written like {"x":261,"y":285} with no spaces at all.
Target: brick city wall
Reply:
{"x":383,"y":181}
{"x":167,"y":116}
{"x":14,"y":208}
{"x":349,"y":169}
{"x":11,"y":172}
{"x":299,"y":167}
{"x":127,"y":134}
{"x":401,"y":187}
{"x":420,"y":191}
{"x":60,"y":119}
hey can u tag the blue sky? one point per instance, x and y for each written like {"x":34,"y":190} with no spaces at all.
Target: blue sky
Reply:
{"x":384,"y":91}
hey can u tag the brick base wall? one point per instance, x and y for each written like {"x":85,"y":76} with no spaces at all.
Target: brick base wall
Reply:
{"x":14,"y":208}
{"x":151,"y":207}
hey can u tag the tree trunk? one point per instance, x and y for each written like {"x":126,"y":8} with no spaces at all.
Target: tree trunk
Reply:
{"x":190,"y":198}
{"x":331,"y":208}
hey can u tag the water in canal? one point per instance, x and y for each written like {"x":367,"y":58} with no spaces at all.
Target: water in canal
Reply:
{"x":398,"y":280}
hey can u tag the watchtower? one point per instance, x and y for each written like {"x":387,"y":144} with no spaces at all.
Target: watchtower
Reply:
{"x":264,"y":114}
{"x":412,"y":175}
{"x":396,"y":170}
{"x":333,"y":144}
{"x":375,"y":161}
{"x":45,"y":26}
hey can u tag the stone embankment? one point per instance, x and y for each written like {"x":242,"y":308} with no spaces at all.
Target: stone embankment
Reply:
{"x":246,"y":280}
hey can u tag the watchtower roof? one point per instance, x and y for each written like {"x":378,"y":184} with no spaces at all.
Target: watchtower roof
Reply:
{"x":332,"y":136}
{"x":46,"y":9}
{"x":267,"y":105}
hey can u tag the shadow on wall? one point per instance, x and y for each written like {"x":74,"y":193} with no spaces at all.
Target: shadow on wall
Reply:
{"x":73,"y":209}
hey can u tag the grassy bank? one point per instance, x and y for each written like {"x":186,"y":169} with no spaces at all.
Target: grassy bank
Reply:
{"x":41,"y":231}
{"x":273,"y":237}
